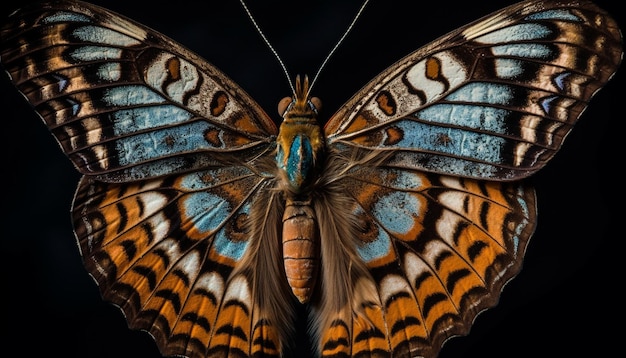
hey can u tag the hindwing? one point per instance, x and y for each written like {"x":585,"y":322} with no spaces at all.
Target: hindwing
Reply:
{"x":164,"y":250}
{"x":439,"y":250}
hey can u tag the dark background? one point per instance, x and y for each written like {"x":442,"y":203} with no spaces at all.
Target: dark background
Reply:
{"x":566,"y":299}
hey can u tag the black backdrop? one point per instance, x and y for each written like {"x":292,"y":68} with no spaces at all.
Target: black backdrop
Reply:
{"x":564,"y":300}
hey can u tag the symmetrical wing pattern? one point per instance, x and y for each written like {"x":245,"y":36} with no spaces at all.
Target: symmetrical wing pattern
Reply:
{"x":199,"y":218}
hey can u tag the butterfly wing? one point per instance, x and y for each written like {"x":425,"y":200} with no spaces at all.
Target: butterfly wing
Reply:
{"x":124,"y":102}
{"x":493,"y":101}
{"x":165,"y":250}
{"x":159,"y":218}
{"x":438,"y":248}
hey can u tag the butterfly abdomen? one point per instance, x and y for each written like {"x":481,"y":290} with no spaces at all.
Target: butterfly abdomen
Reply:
{"x":300,"y":248}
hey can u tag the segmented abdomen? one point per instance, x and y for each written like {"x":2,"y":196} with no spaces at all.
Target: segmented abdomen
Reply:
{"x":300,"y":248}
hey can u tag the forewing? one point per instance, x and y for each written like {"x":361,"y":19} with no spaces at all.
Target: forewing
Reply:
{"x":123,"y":101}
{"x":163,"y":250}
{"x":491,"y":100}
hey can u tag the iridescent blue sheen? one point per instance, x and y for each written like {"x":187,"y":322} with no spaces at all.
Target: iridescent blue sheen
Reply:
{"x":397,"y":211}
{"x":559,"y":14}
{"x":160,"y":143}
{"x":484,"y":147}
{"x":229,"y":248}
{"x":299,"y":163}
{"x":207,"y":211}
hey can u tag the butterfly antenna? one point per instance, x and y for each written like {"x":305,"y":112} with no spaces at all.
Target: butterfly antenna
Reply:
{"x":267,"y":42}
{"x":280,"y":61}
{"x":356,"y":17}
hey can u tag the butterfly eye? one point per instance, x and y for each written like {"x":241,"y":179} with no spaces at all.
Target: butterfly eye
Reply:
{"x":283,"y":105}
{"x":317,"y":103}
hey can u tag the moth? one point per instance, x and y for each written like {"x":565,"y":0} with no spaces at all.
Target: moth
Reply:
{"x":396,"y":222}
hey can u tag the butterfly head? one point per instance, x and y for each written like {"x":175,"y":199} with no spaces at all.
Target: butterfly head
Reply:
{"x":300,"y":140}
{"x":300,"y":104}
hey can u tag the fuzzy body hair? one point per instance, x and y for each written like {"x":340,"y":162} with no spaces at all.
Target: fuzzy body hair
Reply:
{"x":345,"y":285}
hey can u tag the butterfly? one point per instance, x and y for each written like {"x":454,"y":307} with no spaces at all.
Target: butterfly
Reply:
{"x":194,"y":206}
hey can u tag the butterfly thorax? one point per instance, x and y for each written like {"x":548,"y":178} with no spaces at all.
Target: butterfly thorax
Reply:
{"x":300,"y":142}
